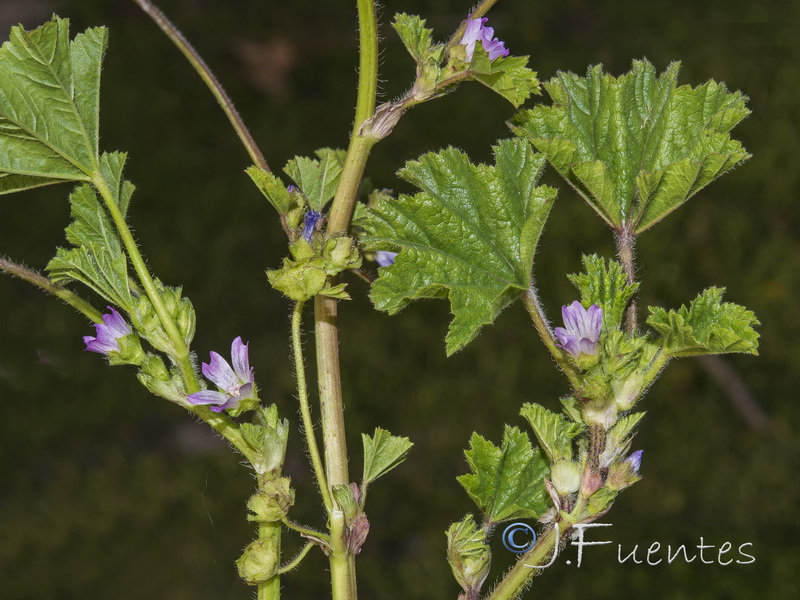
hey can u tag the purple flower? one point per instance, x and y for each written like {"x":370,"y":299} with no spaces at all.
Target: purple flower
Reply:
{"x":385,"y":258}
{"x":309,"y":224}
{"x":475,"y":32}
{"x":108,"y":332}
{"x":291,"y":188}
{"x":236,"y":383}
{"x":635,"y":461}
{"x":582,"y":329}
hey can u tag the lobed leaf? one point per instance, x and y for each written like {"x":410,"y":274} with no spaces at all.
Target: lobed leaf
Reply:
{"x":469,"y":236}
{"x":506,"y":482}
{"x":382,"y":453}
{"x":508,"y":76}
{"x":49,"y":105}
{"x":708,"y":326}
{"x":606,"y":285}
{"x":317,"y":179}
{"x":417,"y":38}
{"x":636,"y":147}
{"x":553,"y":430}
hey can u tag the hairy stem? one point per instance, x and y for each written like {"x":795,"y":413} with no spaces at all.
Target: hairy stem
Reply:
{"x":517,"y":579}
{"x":226,"y":427}
{"x":626,"y":242}
{"x":296,"y":560}
{"x":208,"y":78}
{"x":270,"y":534}
{"x":342,"y":561}
{"x":181,"y":351}
{"x":534,"y":308}
{"x":43,"y":283}
{"x":305,"y":409}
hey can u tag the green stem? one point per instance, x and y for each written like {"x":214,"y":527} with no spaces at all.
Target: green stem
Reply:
{"x":270,"y":534}
{"x":306,"y":531}
{"x":43,"y":283}
{"x":181,"y":352}
{"x":297,"y":559}
{"x":342,"y":561}
{"x":534,"y":307}
{"x":226,"y":427}
{"x":208,"y":78}
{"x":305,"y":409}
{"x":518,"y":578}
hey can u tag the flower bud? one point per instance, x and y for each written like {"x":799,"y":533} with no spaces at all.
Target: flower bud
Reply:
{"x":258,"y":562}
{"x":565,"y":476}
{"x":468,"y":554}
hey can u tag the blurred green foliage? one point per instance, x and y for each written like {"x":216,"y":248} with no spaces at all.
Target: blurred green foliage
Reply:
{"x":108,"y":492}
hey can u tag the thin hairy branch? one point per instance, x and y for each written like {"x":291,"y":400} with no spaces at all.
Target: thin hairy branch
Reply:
{"x":208,"y":78}
{"x":43,"y":283}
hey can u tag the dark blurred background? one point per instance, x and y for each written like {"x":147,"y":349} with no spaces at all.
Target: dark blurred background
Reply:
{"x":106,"y":491}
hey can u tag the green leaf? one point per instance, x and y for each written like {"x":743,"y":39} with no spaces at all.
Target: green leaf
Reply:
{"x":707,"y":327}
{"x":111,"y":167}
{"x":636,"y":147}
{"x":10,"y":183}
{"x":469,"y":236}
{"x":553,"y":430}
{"x":382,"y":453}
{"x":508,"y":76}
{"x":317,"y":179}
{"x":272,"y":187}
{"x":506,"y":482}
{"x":97,"y":260}
{"x":415,"y":36}
{"x":49,"y":104}
{"x":606,"y":285}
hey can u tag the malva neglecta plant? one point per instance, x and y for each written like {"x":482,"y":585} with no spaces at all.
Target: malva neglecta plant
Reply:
{"x":634,"y":147}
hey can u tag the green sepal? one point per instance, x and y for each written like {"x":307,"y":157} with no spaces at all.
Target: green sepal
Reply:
{"x":272,"y":502}
{"x":636,"y":147}
{"x":469,"y":236}
{"x":154,"y":375}
{"x":130,"y":351}
{"x":707,"y":326}
{"x":468,"y":553}
{"x":258,"y":562}
{"x":507,"y":482}
{"x":604,"y":284}
{"x":508,"y":76}
{"x":554,"y":432}
{"x":268,"y":436}
{"x":49,"y":104}
{"x":317,"y":179}
{"x":601,"y":501}
{"x":382,"y":453}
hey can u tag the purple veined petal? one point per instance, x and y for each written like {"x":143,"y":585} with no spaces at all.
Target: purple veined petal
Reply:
{"x":595,"y":322}
{"x":587,"y":346}
{"x":102,"y":344}
{"x":219,"y":371}
{"x":495,"y":49}
{"x":309,"y":224}
{"x":207,"y":397}
{"x":240,"y":357}
{"x":117,"y":325}
{"x":384,"y":258}
{"x":572,"y":316}
{"x":230,"y":403}
{"x":635,"y":461}
{"x":472,"y":34}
